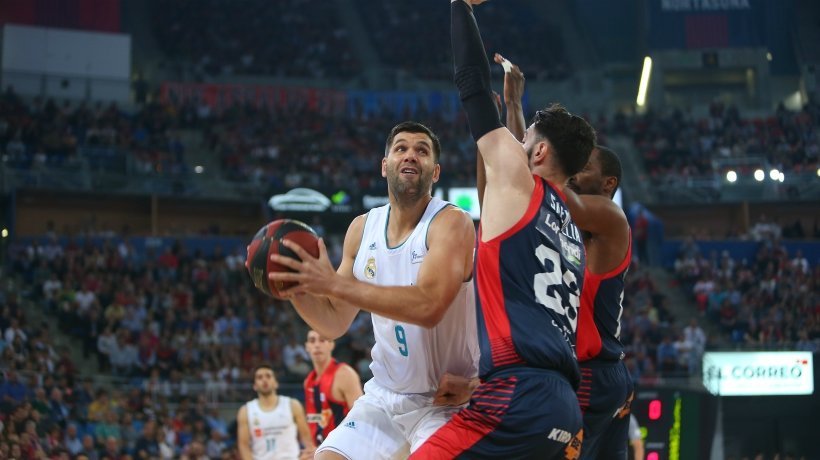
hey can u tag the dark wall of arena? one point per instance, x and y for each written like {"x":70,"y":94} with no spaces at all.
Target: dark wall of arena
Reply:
{"x":72,"y":213}
{"x":715,"y":219}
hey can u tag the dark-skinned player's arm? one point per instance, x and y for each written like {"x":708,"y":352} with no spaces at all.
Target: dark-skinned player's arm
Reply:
{"x":513,"y":95}
{"x":595,"y":214}
{"x":509,"y":183}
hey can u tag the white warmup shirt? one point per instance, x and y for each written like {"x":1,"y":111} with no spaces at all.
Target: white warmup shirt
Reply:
{"x":273,"y":433}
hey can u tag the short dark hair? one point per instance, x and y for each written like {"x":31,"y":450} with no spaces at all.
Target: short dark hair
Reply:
{"x":572,"y":138}
{"x":263,"y":366}
{"x":610,"y":165}
{"x":414,"y":127}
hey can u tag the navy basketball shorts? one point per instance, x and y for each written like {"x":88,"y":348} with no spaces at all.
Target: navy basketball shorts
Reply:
{"x":605,"y":395}
{"x":516,"y":413}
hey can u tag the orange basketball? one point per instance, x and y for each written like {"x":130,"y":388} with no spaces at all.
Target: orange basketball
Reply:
{"x":268,"y":240}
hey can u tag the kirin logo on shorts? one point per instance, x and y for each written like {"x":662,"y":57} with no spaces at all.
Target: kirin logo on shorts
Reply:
{"x":560,"y":435}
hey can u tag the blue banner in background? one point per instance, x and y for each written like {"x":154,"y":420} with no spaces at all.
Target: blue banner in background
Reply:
{"x":401,"y":104}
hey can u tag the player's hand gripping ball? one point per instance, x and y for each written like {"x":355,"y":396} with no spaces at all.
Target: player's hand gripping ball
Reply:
{"x":268,"y":240}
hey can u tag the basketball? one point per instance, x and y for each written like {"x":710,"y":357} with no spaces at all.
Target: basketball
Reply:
{"x":267,"y":241}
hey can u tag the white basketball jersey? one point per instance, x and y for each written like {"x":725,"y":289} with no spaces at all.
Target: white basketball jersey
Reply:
{"x":409,"y":358}
{"x":273,"y":433}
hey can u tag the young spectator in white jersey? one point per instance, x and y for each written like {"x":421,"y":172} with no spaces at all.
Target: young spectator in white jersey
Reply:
{"x":409,"y":263}
{"x":267,"y":427}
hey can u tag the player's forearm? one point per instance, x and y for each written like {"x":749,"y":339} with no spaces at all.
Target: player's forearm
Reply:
{"x":308,"y":441}
{"x":515,"y":119}
{"x":409,"y":304}
{"x":472,"y":71}
{"x":329,"y":318}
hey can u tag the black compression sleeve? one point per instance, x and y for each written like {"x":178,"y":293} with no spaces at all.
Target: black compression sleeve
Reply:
{"x":472,"y":71}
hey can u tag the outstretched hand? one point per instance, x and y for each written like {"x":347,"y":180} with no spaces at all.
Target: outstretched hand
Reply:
{"x":314,"y":275}
{"x":513,"y":80}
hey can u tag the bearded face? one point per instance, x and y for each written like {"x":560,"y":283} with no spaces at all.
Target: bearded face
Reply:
{"x":410,"y":167}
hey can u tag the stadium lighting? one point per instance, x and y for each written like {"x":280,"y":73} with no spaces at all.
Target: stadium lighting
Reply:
{"x":731,"y":176}
{"x":774,"y":174}
{"x":4,"y":233}
{"x":781,"y":177}
{"x":644,"y":85}
{"x":759,"y":175}
{"x":198,"y":169}
{"x":818,"y":172}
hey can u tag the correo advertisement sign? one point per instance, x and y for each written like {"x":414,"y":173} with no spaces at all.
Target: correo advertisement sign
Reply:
{"x":758,"y":373}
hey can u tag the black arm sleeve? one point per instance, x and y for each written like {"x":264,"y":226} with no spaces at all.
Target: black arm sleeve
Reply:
{"x":472,"y":71}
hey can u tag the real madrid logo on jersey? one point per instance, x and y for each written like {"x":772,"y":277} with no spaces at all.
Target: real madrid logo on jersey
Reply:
{"x":370,"y":268}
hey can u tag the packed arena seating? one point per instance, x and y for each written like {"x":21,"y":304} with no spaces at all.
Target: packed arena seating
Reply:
{"x":310,"y":40}
{"x":291,"y":38}
{"x":46,"y":134}
{"x":311,"y":149}
{"x":180,"y":327}
{"x":769,"y":302}
{"x":405,"y":38}
{"x":281,"y":150}
{"x":678,"y":147}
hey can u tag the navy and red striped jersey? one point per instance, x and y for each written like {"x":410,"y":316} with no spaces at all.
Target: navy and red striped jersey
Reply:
{"x":323,"y":412}
{"x":528,"y":285}
{"x":599,"y":325}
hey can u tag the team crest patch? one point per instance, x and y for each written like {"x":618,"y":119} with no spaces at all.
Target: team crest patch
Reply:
{"x":325,"y":418}
{"x":370,"y":268}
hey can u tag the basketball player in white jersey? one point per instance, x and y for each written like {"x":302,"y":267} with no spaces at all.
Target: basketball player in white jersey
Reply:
{"x":409,"y":263}
{"x":267,"y":427}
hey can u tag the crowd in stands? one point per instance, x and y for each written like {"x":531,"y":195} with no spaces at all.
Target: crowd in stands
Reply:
{"x":287,"y":38}
{"x":656,"y":344}
{"x":300,"y":38}
{"x":278,"y":149}
{"x":48,"y":410}
{"x":770,"y":302}
{"x":281,"y":149}
{"x":171,"y":326}
{"x":45,"y":134}
{"x":162,"y":326}
{"x":678,"y":148}
{"x":506,"y":28}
